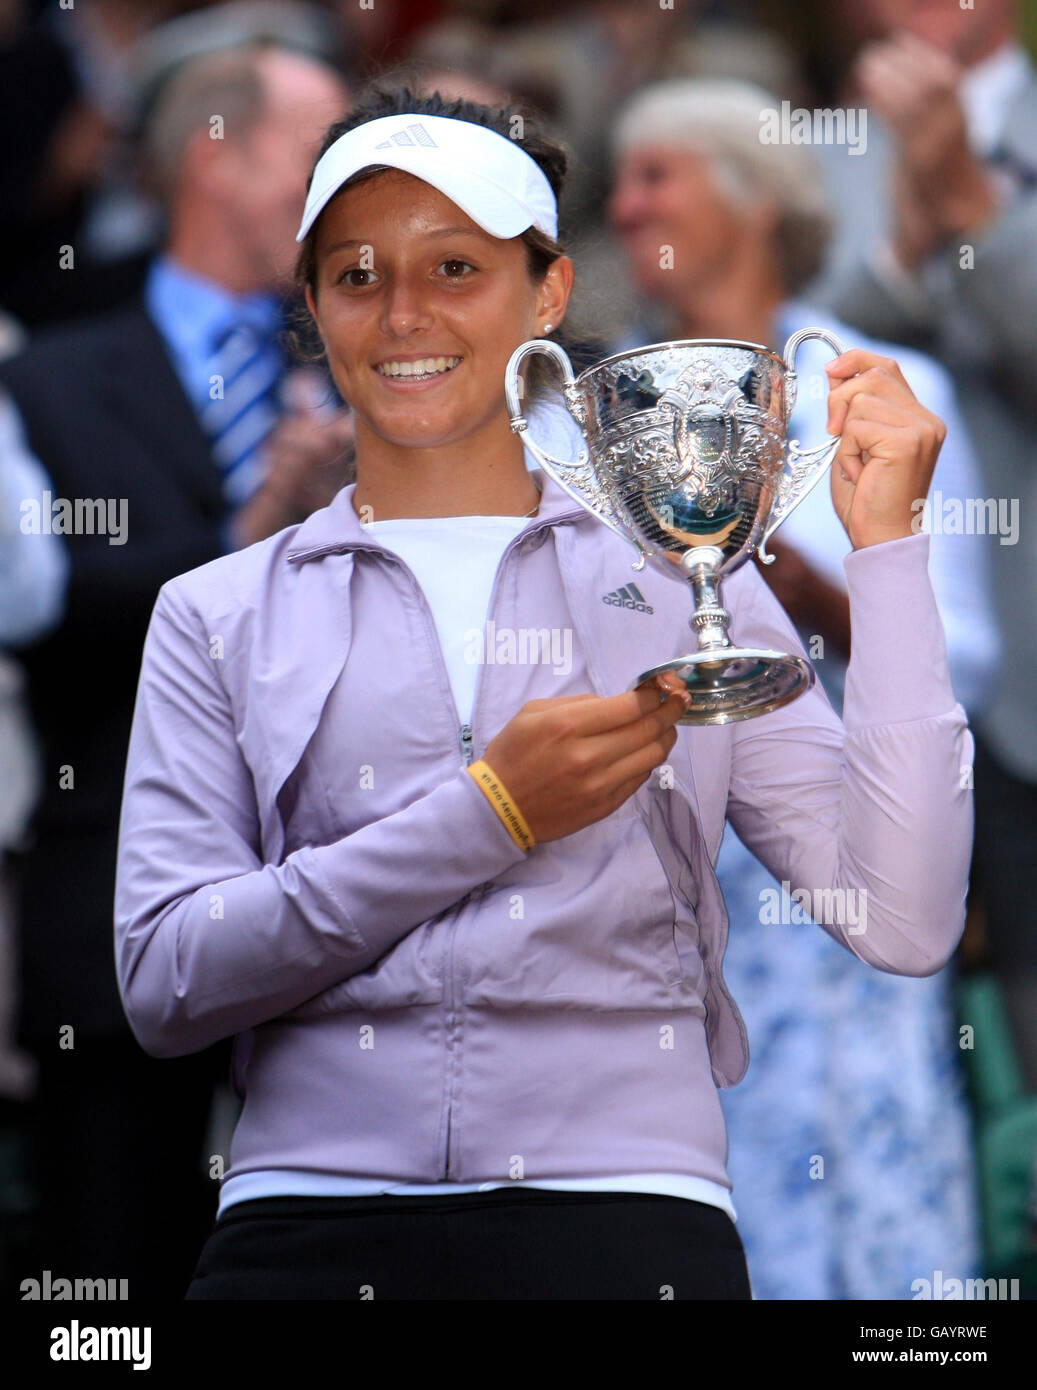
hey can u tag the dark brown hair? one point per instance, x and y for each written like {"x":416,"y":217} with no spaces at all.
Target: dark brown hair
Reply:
{"x":394,"y":99}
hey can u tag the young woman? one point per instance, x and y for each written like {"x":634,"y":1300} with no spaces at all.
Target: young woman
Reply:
{"x":417,"y":864}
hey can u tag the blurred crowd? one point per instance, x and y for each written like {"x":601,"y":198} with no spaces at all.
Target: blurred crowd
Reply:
{"x":145,"y":248}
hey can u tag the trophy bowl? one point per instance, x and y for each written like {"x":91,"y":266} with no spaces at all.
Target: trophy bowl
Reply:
{"x":688,"y":460}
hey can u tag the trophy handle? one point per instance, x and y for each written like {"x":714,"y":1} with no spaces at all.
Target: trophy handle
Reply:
{"x":574,"y":476}
{"x":804,"y":468}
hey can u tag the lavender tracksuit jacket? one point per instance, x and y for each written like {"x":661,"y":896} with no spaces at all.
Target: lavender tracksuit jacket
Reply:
{"x":305,"y":864}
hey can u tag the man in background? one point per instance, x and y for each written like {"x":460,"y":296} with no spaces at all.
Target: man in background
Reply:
{"x":180,"y":414}
{"x":936,"y":248}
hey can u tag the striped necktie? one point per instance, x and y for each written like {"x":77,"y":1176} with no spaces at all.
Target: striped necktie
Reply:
{"x":243,"y":403}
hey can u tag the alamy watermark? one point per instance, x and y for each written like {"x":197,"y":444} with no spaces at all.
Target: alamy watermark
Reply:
{"x":837,"y":907}
{"x":967,"y":516}
{"x":524,"y":646}
{"x":48,"y":1288}
{"x":81,"y":1342}
{"x":74,"y":516}
{"x":942,"y":1286}
{"x":796,"y":125}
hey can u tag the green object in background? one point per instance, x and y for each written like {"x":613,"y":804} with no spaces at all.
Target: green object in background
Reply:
{"x":1028,"y":26}
{"x":1005,"y":1126}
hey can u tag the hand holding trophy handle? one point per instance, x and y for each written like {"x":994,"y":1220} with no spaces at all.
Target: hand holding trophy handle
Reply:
{"x":804,"y":468}
{"x":688,"y":460}
{"x":574,"y":476}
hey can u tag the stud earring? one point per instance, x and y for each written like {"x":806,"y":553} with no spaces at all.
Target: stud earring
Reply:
{"x":548,"y":327}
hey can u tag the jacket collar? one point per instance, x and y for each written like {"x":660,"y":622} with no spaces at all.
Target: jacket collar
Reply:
{"x":337,"y":527}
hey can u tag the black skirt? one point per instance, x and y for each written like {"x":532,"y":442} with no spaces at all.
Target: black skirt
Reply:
{"x":524,"y":1243}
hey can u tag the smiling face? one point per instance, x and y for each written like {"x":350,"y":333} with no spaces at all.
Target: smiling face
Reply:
{"x":420,"y":309}
{"x":669,"y":215}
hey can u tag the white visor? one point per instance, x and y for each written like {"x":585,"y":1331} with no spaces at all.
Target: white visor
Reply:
{"x":488,"y":176}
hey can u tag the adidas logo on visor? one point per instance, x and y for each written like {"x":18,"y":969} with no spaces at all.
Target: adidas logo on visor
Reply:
{"x":413,"y":135}
{"x":629,"y":596}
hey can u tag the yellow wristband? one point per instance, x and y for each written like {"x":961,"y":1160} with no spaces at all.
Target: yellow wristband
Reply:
{"x":490,"y":784}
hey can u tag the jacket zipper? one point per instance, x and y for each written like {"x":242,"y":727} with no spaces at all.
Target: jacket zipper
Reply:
{"x":476,"y":895}
{"x":466,"y":742}
{"x":466,"y":752}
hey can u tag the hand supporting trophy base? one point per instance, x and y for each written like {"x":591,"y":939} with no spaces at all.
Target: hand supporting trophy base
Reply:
{"x":727,"y":682}
{"x":688,"y":462}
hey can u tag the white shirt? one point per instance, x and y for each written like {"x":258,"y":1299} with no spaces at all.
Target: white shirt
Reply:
{"x":987,"y":92}
{"x":454,"y":559}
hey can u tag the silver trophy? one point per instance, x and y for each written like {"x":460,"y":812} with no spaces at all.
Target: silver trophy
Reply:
{"x":688,"y":460}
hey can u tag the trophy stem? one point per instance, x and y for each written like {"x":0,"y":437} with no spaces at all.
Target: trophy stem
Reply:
{"x":710,"y":619}
{"x":727,"y":682}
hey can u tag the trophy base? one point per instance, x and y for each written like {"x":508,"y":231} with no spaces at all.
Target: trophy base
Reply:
{"x":734,"y":683}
